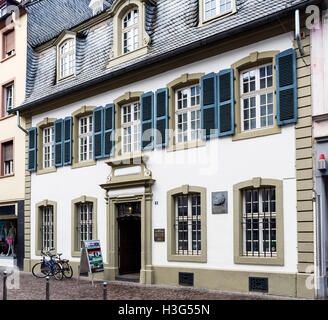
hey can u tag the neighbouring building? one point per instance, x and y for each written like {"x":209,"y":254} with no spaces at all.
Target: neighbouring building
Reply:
{"x":179,"y":134}
{"x":13,"y":43}
{"x":319,"y":52}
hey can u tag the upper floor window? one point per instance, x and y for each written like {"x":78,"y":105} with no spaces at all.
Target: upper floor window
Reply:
{"x":67,"y":58}
{"x":131,"y":127}
{"x":86,"y":138}
{"x":8,"y":44}
{"x":257,"y":98}
{"x":48,"y":147}
{"x":130,"y":31}
{"x":7,"y":158}
{"x":213,"y":8}
{"x":188,"y":114}
{"x":9,"y":98}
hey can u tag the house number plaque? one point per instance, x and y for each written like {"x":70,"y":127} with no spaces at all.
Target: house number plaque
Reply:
{"x":159,"y":235}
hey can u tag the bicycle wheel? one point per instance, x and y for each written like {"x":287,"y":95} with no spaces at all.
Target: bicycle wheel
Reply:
{"x":41,"y":270}
{"x":57,"y":271}
{"x":67,"y":270}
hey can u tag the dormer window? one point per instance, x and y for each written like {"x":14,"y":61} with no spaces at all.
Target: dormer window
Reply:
{"x":3,"y":11}
{"x":211,"y":9}
{"x":67,"y":58}
{"x":130,"y":31}
{"x":130,"y":39}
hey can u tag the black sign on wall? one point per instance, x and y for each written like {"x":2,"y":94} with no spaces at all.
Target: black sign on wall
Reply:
{"x":8,"y":210}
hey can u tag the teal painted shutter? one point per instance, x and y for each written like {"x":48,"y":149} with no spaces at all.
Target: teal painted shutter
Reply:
{"x":98,"y":132}
{"x":109,"y":124}
{"x":226,"y":120}
{"x":147,"y":132}
{"x":67,"y":146}
{"x":32,"y":148}
{"x":161,"y":118}
{"x":209,"y":105}
{"x":59,"y":126}
{"x":286,"y":87}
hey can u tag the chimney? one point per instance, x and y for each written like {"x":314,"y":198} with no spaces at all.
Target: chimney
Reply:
{"x":96,"y":6}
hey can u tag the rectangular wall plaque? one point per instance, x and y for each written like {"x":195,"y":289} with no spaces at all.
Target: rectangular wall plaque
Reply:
{"x":159,"y":235}
{"x":219,"y":202}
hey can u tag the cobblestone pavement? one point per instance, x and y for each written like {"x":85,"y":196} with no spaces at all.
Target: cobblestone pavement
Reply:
{"x":32,"y":288}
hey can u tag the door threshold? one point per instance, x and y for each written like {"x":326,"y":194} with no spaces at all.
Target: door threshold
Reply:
{"x":135,"y":277}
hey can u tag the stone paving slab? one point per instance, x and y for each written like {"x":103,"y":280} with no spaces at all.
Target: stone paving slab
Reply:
{"x":32,"y":288}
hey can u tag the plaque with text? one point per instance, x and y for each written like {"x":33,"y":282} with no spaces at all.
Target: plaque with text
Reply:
{"x":159,"y":235}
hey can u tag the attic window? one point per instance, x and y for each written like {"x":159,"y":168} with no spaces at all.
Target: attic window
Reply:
{"x":67,"y":58}
{"x":130,"y":31}
{"x":211,"y":9}
{"x":2,"y":11}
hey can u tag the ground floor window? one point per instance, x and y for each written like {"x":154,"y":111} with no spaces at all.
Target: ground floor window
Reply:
{"x":47,"y":228}
{"x":85,"y":213}
{"x":8,"y":237}
{"x":259,"y":222}
{"x":188,"y":224}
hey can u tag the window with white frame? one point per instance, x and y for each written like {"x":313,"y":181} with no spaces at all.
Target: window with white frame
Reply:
{"x":8,"y":158}
{"x":257,"y":98}
{"x":259,"y":222}
{"x":214,"y":8}
{"x":188,"y":224}
{"x":131,"y":127}
{"x":188,"y":114}
{"x":85,"y":138}
{"x":9,"y":98}
{"x":130,"y":31}
{"x":85,"y":222}
{"x":47,"y":227}
{"x":48,"y":147}
{"x":67,"y":58}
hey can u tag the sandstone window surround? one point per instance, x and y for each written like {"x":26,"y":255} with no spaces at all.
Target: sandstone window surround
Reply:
{"x":130,"y":39}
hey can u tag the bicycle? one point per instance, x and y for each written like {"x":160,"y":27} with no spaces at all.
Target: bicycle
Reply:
{"x":66,"y":267}
{"x":47,"y":267}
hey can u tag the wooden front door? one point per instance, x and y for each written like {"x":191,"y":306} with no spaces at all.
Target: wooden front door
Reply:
{"x":129,"y":245}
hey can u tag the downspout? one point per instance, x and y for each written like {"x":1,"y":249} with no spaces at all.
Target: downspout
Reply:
{"x":18,"y":123}
{"x":298,"y":32}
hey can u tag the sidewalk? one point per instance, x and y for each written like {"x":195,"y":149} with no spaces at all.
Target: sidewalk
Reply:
{"x":32,"y":288}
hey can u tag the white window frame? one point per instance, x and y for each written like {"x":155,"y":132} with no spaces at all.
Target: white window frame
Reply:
{"x":85,"y":222}
{"x":132,"y":31}
{"x":189,"y":219}
{"x":9,"y":100}
{"x":131,"y":142}
{"x":67,"y":58}
{"x":85,"y":138}
{"x":48,"y":228}
{"x":190,"y":134}
{"x":259,"y":216}
{"x":48,"y":147}
{"x":217,"y":8}
{"x":257,"y":93}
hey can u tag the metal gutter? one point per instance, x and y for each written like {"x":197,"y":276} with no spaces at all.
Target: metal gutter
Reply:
{"x":153,"y":60}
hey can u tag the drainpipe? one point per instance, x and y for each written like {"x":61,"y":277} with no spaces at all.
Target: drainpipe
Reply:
{"x":18,"y":123}
{"x":298,"y":32}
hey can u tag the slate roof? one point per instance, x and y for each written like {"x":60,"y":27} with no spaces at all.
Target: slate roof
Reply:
{"x":172,"y":25}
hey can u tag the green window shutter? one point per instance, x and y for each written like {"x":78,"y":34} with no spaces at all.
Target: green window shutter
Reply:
{"x":286,"y":87}
{"x":226,"y":121}
{"x":59,"y":128}
{"x":109,"y":124}
{"x":98,"y":132}
{"x":161,"y":118}
{"x":209,"y":105}
{"x":32,"y":149}
{"x":67,"y":145}
{"x":147,"y":126}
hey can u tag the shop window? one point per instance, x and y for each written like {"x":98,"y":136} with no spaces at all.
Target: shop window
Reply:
{"x":8,"y":237}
